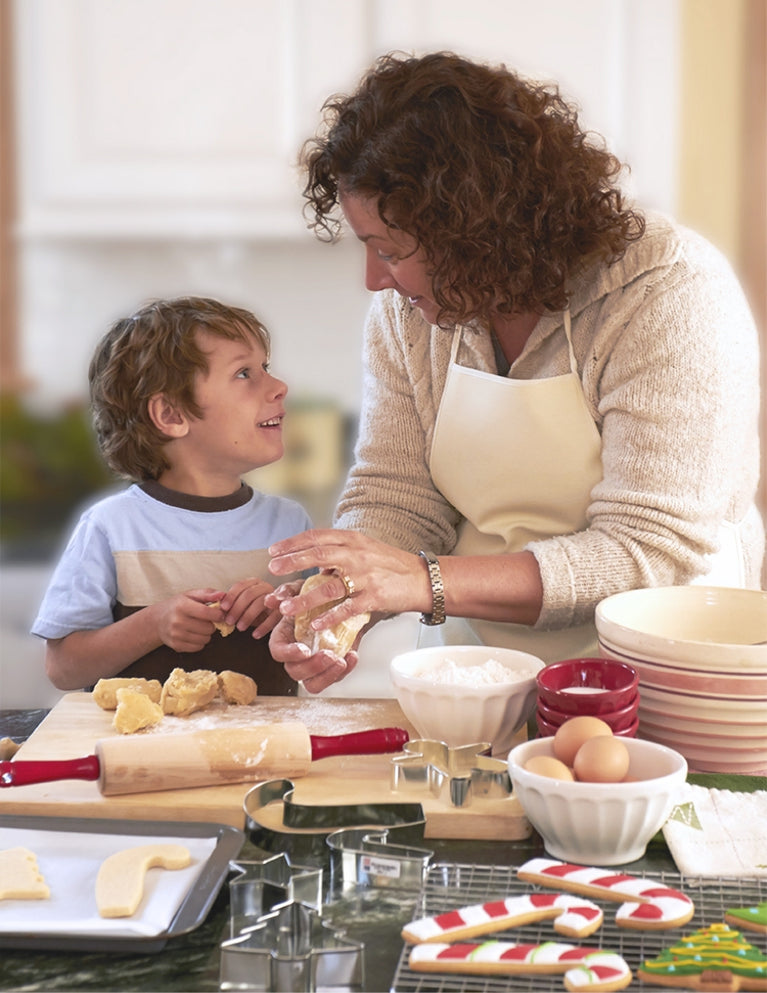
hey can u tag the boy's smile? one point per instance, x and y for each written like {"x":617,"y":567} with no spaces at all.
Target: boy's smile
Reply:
{"x":240,"y":428}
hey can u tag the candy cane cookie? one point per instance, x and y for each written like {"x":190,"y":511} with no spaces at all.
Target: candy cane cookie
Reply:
{"x":573,"y":917}
{"x":584,"y":969}
{"x":645,"y":903}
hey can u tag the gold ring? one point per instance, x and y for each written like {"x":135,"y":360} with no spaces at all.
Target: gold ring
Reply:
{"x":348,"y":582}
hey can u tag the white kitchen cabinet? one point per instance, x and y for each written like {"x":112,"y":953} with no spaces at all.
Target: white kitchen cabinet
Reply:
{"x":182,"y":119}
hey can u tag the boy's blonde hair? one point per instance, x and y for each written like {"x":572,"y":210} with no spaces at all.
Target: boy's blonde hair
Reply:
{"x":155,"y":351}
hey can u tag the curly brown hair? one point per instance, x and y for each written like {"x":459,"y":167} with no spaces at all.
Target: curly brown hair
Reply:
{"x":155,"y":352}
{"x":491,"y":174}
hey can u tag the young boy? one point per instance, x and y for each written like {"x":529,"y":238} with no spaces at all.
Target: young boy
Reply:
{"x":183,"y":404}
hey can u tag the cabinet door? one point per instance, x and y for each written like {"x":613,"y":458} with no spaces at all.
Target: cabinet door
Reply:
{"x":184,"y":118}
{"x":173,"y":117}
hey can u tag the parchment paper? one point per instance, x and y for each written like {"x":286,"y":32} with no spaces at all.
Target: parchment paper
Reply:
{"x":69,"y":863}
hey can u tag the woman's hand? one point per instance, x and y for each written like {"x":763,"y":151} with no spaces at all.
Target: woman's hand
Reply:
{"x":317,"y":671}
{"x":383,"y":579}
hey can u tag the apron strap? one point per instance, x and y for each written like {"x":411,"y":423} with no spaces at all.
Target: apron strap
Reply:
{"x":568,"y":335}
{"x":456,"y":343}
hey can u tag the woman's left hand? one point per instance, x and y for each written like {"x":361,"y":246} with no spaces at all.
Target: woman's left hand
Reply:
{"x":370,"y":575}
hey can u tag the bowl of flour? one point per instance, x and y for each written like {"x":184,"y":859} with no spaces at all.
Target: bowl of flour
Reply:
{"x":466,"y":694}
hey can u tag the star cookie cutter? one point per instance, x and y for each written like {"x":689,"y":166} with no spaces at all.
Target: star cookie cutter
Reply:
{"x":456,"y":775}
{"x":262,"y":884}
{"x":292,"y":949}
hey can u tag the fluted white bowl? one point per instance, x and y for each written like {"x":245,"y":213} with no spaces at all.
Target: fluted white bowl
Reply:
{"x":599,"y":823}
{"x":461,"y":714}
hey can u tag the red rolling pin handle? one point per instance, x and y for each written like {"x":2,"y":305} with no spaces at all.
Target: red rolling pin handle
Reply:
{"x":46,"y":771}
{"x":375,"y":742}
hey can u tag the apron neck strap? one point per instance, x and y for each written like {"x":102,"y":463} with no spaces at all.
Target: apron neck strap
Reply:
{"x":568,"y":334}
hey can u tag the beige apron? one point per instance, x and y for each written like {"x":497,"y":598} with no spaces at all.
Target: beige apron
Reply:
{"x":518,"y":459}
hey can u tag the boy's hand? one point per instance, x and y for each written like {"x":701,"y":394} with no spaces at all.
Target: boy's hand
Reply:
{"x":185,"y":621}
{"x":243,"y":606}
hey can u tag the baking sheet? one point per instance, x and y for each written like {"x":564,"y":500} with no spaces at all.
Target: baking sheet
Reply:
{"x":448,"y":887}
{"x":69,"y":853}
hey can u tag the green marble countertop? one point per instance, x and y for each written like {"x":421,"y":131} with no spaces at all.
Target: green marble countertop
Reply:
{"x":373,"y":916}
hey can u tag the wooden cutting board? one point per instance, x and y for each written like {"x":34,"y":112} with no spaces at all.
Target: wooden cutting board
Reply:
{"x":76,"y":723}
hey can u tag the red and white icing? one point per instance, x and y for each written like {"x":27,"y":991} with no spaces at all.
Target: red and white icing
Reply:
{"x":573,"y":916}
{"x":584,"y":968}
{"x":645,"y":902}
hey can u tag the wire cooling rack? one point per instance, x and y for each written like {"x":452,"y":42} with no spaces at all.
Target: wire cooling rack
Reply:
{"x":448,"y":887}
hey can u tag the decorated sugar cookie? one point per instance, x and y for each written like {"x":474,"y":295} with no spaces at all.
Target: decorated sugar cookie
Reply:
{"x":573,"y":917}
{"x":584,"y":969}
{"x":751,"y":918}
{"x":713,"y":958}
{"x":645,"y":903}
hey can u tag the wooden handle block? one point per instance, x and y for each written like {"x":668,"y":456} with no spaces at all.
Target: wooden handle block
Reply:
{"x":146,"y":763}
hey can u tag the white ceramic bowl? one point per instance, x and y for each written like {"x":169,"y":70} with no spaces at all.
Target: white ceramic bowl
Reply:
{"x":688,"y":627}
{"x":702,"y":675}
{"x":459,"y":713}
{"x":599,"y":823}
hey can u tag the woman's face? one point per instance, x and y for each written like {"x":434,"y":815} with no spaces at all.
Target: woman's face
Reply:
{"x":392,"y":258}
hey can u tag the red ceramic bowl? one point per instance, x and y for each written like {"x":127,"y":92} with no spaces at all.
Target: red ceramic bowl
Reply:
{"x":546,"y":730}
{"x":617,"y":719}
{"x":587,"y":686}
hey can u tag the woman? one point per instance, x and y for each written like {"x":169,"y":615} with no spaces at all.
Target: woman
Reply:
{"x":560,"y":392}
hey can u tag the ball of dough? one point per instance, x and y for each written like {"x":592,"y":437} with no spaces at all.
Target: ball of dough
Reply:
{"x":338,"y":639}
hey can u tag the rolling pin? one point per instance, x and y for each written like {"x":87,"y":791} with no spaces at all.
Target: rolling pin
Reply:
{"x":146,"y":763}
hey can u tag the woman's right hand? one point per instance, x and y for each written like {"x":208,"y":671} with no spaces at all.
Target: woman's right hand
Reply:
{"x":317,"y":671}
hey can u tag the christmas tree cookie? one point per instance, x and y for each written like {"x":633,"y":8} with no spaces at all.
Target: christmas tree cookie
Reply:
{"x":713,"y":958}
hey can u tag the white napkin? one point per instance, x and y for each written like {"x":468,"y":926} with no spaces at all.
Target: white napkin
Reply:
{"x":718,"y":832}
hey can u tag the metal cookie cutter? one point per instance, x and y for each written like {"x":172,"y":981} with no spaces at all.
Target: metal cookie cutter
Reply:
{"x":454,"y":775}
{"x":275,"y":822}
{"x":291,"y":949}
{"x":262,"y":885}
{"x":361,"y":857}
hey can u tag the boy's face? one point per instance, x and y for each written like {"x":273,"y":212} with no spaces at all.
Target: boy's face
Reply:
{"x":242,"y":410}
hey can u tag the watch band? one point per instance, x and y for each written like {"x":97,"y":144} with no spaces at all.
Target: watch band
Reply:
{"x":437,"y":615}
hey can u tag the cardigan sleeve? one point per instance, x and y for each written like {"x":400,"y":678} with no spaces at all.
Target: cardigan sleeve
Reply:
{"x":675,"y":383}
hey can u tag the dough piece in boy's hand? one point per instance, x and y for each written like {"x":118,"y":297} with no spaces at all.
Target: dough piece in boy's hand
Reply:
{"x":105,"y":690}
{"x":338,"y":639}
{"x":237,"y":688}
{"x":184,"y":692}
{"x":135,"y":711}
{"x":120,"y":880}
{"x":20,"y":877}
{"x":222,"y":627}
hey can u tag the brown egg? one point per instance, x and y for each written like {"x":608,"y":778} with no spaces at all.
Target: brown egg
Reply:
{"x":571,"y":735}
{"x":602,"y":760}
{"x":547,"y":765}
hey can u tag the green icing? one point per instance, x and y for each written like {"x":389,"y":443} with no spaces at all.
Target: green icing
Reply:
{"x":715,"y":947}
{"x":757,"y":914}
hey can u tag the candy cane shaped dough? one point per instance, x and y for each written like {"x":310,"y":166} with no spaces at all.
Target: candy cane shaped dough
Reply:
{"x":645,"y":903}
{"x":584,"y":969}
{"x":120,"y":879}
{"x":573,"y":917}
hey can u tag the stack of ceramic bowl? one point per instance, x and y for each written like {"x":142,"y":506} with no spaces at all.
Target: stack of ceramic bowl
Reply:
{"x":701,"y":655}
{"x":603,"y":688}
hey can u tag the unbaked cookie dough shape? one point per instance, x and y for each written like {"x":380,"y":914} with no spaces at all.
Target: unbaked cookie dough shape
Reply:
{"x":120,"y":880}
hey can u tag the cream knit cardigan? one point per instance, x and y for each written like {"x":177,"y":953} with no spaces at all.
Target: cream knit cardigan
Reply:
{"x":667,"y":352}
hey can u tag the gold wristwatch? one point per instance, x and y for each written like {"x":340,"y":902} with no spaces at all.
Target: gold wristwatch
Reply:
{"x":437,"y":615}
